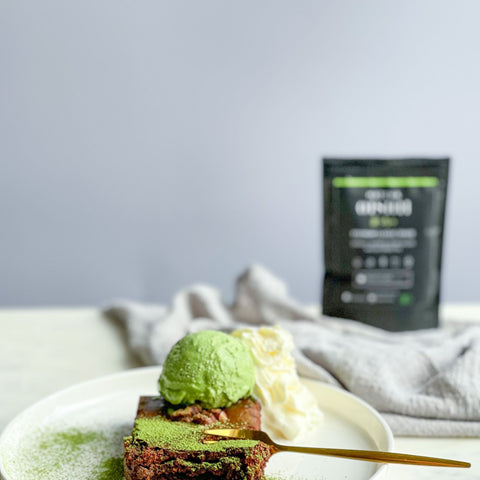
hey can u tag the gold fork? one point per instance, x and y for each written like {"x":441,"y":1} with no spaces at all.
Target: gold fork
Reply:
{"x":368,"y":455}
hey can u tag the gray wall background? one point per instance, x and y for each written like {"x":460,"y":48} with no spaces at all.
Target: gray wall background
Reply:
{"x":147,"y":145}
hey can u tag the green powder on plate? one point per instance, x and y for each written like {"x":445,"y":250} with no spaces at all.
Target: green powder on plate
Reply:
{"x":73,"y":453}
{"x":111,"y":469}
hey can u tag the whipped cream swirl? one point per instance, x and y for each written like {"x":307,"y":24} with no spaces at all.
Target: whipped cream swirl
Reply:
{"x":289,"y":409}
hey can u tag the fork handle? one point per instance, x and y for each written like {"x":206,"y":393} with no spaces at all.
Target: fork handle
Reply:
{"x":374,"y":456}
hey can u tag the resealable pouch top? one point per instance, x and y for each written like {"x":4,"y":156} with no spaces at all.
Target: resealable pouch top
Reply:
{"x":383,"y":235}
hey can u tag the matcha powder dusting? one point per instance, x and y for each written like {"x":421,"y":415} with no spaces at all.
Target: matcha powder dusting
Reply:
{"x":73,"y":453}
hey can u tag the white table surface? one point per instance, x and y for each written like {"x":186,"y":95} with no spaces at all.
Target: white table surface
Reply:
{"x":45,"y":350}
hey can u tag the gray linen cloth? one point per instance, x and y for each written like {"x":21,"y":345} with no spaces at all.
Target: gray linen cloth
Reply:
{"x":425,"y":383}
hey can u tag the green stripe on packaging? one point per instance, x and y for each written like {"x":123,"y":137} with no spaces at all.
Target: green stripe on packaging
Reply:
{"x":385,"y":182}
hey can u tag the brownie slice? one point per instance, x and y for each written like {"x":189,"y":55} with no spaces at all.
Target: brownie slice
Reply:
{"x":169,"y":443}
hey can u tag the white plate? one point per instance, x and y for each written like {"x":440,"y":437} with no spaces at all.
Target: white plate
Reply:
{"x":111,"y":402}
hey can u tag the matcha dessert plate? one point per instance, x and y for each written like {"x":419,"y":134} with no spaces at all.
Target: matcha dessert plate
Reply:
{"x":78,"y":433}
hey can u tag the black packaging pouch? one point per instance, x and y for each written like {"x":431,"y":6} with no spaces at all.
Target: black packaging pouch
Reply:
{"x":383,"y":235}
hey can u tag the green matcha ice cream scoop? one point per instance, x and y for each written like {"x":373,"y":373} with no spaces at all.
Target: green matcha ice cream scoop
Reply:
{"x":208,"y":367}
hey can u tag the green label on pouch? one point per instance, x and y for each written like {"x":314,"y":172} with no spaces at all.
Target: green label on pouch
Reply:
{"x":385,"y":182}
